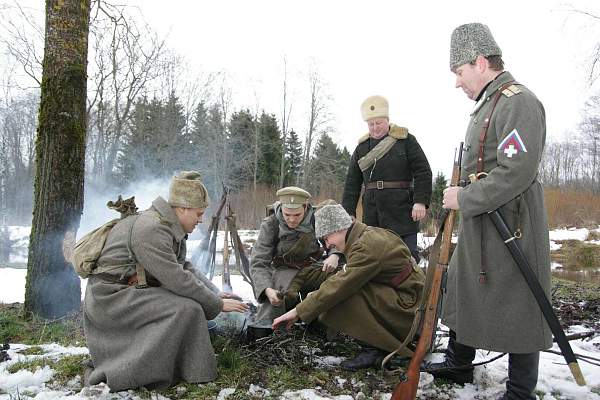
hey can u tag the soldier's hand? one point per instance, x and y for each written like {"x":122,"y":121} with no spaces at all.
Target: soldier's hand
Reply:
{"x":450,"y":200}
{"x":230,"y":305}
{"x":288,"y":319}
{"x":418,"y":212}
{"x":330,"y":263}
{"x":229,"y":295}
{"x":272,"y":296}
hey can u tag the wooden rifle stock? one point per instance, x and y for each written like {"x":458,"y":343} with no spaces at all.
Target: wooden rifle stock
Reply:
{"x":407,"y":389}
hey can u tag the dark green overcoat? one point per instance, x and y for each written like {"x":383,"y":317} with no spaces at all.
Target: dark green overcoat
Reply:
{"x":502,"y":314}
{"x":360,"y":300}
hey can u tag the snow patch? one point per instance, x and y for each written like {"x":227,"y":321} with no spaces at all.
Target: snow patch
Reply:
{"x":569,"y":234}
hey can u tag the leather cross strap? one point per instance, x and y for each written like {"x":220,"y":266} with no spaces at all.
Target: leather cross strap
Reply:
{"x":486,"y":125}
{"x":380,"y":185}
{"x":397,"y":280}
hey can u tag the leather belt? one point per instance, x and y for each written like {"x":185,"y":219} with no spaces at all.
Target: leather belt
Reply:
{"x":397,"y":280}
{"x":131,"y":281}
{"x":380,"y":185}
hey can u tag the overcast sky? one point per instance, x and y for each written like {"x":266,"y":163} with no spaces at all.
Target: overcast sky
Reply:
{"x":395,"y":48}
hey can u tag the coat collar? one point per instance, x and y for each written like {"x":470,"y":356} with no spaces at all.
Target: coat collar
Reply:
{"x":307,"y":224}
{"x":168,"y":215}
{"x":492,"y":87}
{"x":357,"y":230}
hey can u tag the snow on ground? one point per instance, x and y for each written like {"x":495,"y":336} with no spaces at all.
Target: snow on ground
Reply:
{"x":569,"y":233}
{"x":554,"y":376}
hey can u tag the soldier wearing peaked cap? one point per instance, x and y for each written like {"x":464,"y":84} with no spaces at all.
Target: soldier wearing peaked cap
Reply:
{"x":488,"y":304}
{"x":158,"y":335}
{"x":286,"y":244}
{"x":393,"y":169}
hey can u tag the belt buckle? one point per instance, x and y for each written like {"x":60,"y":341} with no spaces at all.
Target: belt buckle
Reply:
{"x":380,"y":185}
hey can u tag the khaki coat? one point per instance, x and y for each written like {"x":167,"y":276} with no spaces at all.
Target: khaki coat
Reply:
{"x":360,"y":300}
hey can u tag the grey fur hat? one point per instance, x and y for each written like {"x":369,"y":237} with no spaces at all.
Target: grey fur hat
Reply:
{"x":187,"y":191}
{"x":330,"y":219}
{"x":469,"y":41}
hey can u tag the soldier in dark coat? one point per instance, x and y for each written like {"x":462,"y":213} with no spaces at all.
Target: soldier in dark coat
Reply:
{"x":374,"y":298}
{"x":286,"y":244}
{"x":154,"y":336}
{"x":488,"y":304}
{"x":394,"y":172}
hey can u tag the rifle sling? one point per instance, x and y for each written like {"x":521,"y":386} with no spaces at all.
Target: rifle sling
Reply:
{"x":434,"y":254}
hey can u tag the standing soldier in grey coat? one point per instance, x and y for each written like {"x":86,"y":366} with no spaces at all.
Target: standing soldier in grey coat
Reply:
{"x":488,"y":304}
{"x":153,"y":336}
{"x":393,"y":169}
{"x":286,"y":244}
{"x":374,"y":298}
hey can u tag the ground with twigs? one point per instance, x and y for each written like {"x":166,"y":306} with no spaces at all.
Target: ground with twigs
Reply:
{"x":298,"y":364}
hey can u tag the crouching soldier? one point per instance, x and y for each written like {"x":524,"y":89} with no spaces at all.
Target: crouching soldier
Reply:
{"x":375,"y":297}
{"x":145,"y":308}
{"x":287,"y":244}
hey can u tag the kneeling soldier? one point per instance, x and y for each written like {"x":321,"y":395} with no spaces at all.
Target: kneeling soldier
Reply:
{"x":375,"y":297}
{"x":286,"y":245}
{"x":155,"y":336}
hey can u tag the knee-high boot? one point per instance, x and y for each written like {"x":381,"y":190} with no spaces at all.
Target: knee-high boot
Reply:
{"x":457,"y":354}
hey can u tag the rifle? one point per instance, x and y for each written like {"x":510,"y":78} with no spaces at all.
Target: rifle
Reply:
{"x":205,"y":254}
{"x":407,"y":389}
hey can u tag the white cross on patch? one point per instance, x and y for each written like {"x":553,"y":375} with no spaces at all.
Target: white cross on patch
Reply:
{"x":510,"y":151}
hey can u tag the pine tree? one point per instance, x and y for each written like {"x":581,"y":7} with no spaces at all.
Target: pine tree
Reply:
{"x":196,"y":153}
{"x":435,"y":208}
{"x":293,"y":159}
{"x":241,"y":140}
{"x":269,"y":150}
{"x":327,"y":168}
{"x":170,"y":137}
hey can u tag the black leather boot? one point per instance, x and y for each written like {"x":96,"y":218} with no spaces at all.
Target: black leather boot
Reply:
{"x":522,"y":376}
{"x":456,"y":355}
{"x":367,"y":358}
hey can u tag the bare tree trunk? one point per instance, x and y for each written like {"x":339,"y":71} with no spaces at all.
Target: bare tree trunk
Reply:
{"x":284,"y":124}
{"x":53,"y":288}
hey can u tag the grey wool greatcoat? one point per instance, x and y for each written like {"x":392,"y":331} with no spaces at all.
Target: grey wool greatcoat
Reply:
{"x":275,"y":240}
{"x":501,"y":314}
{"x":157,"y":336}
{"x":361,"y":300}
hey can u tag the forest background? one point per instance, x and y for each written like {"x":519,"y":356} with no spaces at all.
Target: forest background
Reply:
{"x":150,"y":115}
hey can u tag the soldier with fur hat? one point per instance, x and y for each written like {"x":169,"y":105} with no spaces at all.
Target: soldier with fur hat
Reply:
{"x":287,"y":244}
{"x":488,"y":304}
{"x":153,"y":336}
{"x":374,"y":298}
{"x":394,"y":172}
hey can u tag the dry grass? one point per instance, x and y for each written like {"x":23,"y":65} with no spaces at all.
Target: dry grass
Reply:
{"x":571,"y":208}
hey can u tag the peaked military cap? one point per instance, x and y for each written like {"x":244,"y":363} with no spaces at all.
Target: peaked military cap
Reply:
{"x":292,"y":197}
{"x":373,"y":107}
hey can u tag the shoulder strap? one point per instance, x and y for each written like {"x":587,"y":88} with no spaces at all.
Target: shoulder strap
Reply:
{"x":139,"y":270}
{"x":486,"y":124}
{"x":376,"y":153}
